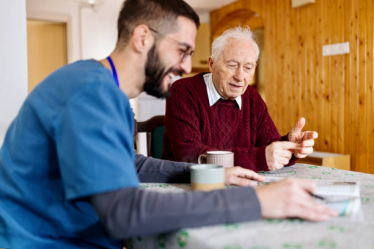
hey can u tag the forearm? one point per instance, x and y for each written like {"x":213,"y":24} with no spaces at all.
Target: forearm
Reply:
{"x":135,"y":212}
{"x":155,"y":170}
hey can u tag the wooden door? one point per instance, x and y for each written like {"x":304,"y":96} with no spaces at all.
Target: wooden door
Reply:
{"x":46,"y":49}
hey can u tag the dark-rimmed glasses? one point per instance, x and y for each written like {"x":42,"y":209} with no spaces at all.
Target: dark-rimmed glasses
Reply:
{"x":188,"y":51}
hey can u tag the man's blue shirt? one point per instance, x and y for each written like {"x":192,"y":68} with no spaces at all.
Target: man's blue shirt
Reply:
{"x":72,"y":138}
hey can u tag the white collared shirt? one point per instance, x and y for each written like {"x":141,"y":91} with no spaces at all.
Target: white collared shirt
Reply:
{"x":213,"y":95}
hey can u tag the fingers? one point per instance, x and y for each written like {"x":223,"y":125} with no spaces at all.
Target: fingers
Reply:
{"x":299,"y":125}
{"x":288,"y":145}
{"x":306,"y":149}
{"x":278,"y":154}
{"x":275,"y":166}
{"x":283,"y":160}
{"x":243,"y":182}
{"x":286,"y":154}
{"x":240,"y":176}
{"x":310,"y":135}
{"x":307,"y":143}
{"x":307,"y":208}
{"x":311,"y":211}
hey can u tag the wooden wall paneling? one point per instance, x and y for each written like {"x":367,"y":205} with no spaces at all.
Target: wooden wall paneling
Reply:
{"x":337,"y":81}
{"x":348,"y":36}
{"x":334,"y":93}
{"x":287,"y":73}
{"x":353,"y":149}
{"x":326,"y":69}
{"x":329,"y":80}
{"x":301,"y":74}
{"x":320,"y":64}
{"x":341,"y":84}
{"x":311,"y":70}
{"x":270,"y":47}
{"x":362,"y":81}
{"x":296,"y":68}
{"x":370,"y":85}
{"x":276,"y":56}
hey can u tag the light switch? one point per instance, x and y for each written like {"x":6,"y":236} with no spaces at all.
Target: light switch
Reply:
{"x":335,"y":49}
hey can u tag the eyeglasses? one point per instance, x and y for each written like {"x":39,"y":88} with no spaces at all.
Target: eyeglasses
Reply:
{"x":187,"y":51}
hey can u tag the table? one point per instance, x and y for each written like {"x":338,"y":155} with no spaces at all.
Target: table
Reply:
{"x":277,"y":233}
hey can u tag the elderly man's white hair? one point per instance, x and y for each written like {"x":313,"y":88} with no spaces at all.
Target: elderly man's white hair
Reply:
{"x":237,"y":33}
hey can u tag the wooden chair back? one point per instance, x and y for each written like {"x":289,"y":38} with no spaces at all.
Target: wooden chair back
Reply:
{"x":155,"y":129}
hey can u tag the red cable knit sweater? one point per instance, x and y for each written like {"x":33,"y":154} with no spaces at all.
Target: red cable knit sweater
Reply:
{"x":193,"y":127}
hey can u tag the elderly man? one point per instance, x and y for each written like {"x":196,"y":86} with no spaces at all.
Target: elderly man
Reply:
{"x":220,"y":111}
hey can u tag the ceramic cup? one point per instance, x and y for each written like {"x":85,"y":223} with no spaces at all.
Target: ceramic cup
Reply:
{"x":224,"y":158}
{"x":207,"y":177}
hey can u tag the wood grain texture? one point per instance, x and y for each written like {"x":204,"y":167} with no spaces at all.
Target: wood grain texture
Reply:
{"x":335,"y":93}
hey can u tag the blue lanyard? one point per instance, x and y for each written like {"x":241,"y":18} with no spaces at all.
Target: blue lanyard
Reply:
{"x":113,"y":70}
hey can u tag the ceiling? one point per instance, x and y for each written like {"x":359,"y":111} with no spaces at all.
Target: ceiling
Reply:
{"x":208,"y":5}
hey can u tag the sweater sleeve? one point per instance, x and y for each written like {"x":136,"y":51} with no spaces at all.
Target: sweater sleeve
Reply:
{"x":131,"y":212}
{"x":254,"y":158}
{"x":150,"y":169}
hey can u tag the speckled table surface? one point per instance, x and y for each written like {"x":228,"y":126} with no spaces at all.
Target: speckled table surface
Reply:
{"x":339,"y":232}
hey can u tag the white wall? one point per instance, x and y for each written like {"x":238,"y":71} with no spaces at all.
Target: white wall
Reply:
{"x":13,"y":62}
{"x":99,"y":29}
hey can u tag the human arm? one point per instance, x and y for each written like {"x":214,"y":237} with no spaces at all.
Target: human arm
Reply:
{"x":133,"y":212}
{"x":150,"y":169}
{"x":271,"y":151}
{"x":155,"y":170}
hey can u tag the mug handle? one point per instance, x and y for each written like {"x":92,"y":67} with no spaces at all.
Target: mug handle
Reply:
{"x":199,"y":160}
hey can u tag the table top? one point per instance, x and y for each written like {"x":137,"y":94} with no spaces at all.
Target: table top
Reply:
{"x":340,"y":232}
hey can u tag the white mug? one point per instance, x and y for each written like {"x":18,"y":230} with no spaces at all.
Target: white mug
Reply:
{"x":223,"y":158}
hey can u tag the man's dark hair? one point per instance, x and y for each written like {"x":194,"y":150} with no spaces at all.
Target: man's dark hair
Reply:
{"x":160,"y":15}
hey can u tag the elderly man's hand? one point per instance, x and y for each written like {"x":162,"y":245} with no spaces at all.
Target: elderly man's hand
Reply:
{"x":291,"y":198}
{"x":241,"y":177}
{"x":279,"y":154}
{"x":305,"y":139}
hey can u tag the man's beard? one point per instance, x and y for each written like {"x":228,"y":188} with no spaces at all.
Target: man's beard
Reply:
{"x":155,"y":73}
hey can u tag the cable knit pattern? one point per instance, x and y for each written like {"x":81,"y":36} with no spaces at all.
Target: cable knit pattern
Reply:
{"x":193,"y":127}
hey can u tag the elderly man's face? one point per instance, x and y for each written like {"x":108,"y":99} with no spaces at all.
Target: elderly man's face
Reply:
{"x":234,"y":68}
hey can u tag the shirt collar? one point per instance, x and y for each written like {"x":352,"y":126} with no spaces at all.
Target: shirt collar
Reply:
{"x":213,"y":95}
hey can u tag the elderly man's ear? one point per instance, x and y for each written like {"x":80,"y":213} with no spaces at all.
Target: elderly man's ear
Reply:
{"x":210,"y":63}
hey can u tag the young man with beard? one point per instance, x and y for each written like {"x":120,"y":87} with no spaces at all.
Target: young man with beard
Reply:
{"x":69,"y":177}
